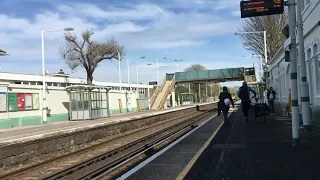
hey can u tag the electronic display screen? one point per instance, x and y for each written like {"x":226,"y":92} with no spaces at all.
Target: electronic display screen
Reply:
{"x":261,"y":8}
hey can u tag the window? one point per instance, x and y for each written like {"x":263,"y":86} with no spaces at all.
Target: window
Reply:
{"x":308,"y":54}
{"x":315,"y":49}
{"x":317,"y":64}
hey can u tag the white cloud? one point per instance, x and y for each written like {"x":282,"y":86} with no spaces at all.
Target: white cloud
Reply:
{"x":138,"y":12}
{"x":140,"y":27}
{"x":172,"y":44}
{"x":204,"y":4}
{"x":236,"y":13}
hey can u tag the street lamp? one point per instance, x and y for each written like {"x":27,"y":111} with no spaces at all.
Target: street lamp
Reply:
{"x":137,"y":72}
{"x":158,"y":69}
{"x":261,"y":63}
{"x":128,"y":66}
{"x":44,"y":100}
{"x":177,"y":61}
{"x":264,"y":39}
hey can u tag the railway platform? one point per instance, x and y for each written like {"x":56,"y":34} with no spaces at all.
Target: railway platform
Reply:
{"x":239,"y":151}
{"x":38,"y":131}
{"x":24,"y":146}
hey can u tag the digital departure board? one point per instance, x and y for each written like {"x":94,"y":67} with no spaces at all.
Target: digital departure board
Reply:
{"x":261,"y":8}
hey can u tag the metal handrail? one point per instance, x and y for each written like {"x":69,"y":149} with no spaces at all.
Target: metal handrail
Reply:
{"x":163,"y":100}
{"x":157,"y":91}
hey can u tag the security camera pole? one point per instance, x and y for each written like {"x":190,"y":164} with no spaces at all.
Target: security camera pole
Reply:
{"x":293,"y":72}
{"x":305,"y":98}
{"x":249,"y":9}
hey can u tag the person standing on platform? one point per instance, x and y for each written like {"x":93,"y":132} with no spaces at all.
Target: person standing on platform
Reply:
{"x":225,"y":99}
{"x":244,"y":95}
{"x":271,"y":95}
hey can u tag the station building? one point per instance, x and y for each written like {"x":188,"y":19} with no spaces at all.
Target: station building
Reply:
{"x":279,"y":70}
{"x":21,"y":97}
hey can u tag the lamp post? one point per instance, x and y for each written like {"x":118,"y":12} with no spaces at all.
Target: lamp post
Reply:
{"x":119,"y":63}
{"x":177,"y":61}
{"x":137,"y":72}
{"x":44,"y":100}
{"x":128,"y":66}
{"x":158,"y":69}
{"x":261,"y":63}
{"x":264,"y":40}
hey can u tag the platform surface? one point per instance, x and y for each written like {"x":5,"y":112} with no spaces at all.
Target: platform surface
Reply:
{"x":259,"y":151}
{"x":169,"y":164}
{"x":239,"y":151}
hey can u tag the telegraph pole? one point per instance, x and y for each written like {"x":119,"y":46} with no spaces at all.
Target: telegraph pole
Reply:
{"x":293,"y":72}
{"x":305,"y":98}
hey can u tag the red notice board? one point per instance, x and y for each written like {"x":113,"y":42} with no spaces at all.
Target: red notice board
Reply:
{"x":20,"y":97}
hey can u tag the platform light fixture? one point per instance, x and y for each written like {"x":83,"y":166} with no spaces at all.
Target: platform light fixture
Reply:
{"x":44,"y":101}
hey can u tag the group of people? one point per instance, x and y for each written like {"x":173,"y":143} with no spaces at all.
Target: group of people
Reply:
{"x":225,"y":100}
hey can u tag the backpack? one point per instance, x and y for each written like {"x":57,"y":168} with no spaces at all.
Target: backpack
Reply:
{"x":244,"y":93}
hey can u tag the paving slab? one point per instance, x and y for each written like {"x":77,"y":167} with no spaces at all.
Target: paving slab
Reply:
{"x":169,"y":164}
{"x":259,"y":151}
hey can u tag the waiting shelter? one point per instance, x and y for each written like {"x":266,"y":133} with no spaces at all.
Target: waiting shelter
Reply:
{"x":88,"y":102}
{"x":187,"y":98}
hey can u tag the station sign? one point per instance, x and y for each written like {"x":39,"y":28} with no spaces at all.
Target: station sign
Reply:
{"x":250,"y":75}
{"x":153,"y":83}
{"x":261,"y":8}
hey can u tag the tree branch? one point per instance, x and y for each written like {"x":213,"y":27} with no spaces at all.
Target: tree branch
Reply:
{"x":88,"y":53}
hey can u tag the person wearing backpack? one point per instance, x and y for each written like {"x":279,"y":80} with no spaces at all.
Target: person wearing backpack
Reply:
{"x":225,"y":99}
{"x":244,"y":95}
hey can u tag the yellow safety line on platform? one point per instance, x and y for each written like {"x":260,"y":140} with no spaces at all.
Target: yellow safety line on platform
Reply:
{"x":197,"y":155}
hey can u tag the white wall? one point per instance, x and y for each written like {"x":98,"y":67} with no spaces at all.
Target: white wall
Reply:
{"x":114,"y":96}
{"x":280,"y":70}
{"x":58,"y":100}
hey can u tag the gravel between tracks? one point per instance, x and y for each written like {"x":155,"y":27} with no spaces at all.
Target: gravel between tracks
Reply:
{"x":114,"y":142}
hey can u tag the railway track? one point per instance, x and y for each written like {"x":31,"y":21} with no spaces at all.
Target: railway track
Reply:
{"x":100,"y":159}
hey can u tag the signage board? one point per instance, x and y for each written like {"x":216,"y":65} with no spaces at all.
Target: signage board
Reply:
{"x":21,"y":101}
{"x":153,"y":82}
{"x":12,"y":102}
{"x":261,"y":8}
{"x":250,"y":75}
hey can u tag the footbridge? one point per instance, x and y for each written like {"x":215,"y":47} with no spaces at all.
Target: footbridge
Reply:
{"x":162,"y":91}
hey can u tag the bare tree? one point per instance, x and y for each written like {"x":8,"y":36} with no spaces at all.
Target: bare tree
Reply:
{"x":87,"y":53}
{"x":195,"y":87}
{"x":273,"y":26}
{"x":195,"y":67}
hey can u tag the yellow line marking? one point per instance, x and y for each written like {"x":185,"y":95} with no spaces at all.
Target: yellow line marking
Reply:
{"x":197,"y":155}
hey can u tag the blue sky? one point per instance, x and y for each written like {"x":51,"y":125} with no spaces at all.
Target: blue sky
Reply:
{"x":196,"y":31}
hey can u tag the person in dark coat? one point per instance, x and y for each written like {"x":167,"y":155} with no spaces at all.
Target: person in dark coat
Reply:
{"x":244,"y":95}
{"x":223,"y":107}
{"x":271,"y":96}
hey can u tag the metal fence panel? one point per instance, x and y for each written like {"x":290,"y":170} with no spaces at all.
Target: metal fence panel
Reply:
{"x":203,"y":75}
{"x":210,"y":74}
